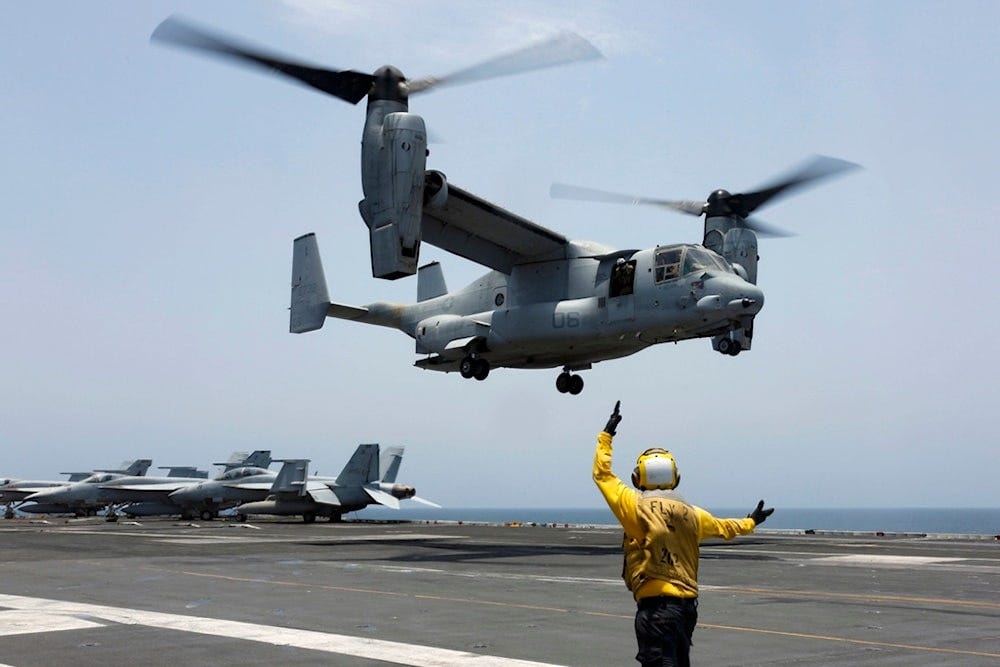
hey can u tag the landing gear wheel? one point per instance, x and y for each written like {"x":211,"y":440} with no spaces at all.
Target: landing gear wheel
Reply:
{"x":726,"y":346}
{"x":480,"y":369}
{"x":207,"y":515}
{"x":8,"y":513}
{"x":242,"y":518}
{"x":308,"y":517}
{"x":563,"y":382}
{"x":575,"y":384}
{"x":734,"y":349}
{"x":467,"y":367}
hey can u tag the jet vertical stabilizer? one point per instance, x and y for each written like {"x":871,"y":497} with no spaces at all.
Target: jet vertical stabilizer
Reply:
{"x":361,"y":468}
{"x":389,"y":464}
{"x":310,"y":299}
{"x":292,"y":477}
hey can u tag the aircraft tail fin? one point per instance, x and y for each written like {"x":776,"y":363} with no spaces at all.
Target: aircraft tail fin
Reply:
{"x":361,"y":468}
{"x":292,"y":477}
{"x":430,"y":282}
{"x":259,"y":458}
{"x":389,"y":464}
{"x":184,"y":471}
{"x":136,"y":468}
{"x":310,"y":299}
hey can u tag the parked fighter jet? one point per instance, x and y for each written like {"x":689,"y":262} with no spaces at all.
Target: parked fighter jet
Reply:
{"x":366,"y":479}
{"x":107,"y":491}
{"x":16,"y":492}
{"x":239,"y":466}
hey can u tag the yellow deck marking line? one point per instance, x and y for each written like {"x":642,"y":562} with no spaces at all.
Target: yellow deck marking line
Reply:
{"x":711,"y":626}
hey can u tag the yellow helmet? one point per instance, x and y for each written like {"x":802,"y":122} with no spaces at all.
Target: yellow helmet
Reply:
{"x":655,"y":469}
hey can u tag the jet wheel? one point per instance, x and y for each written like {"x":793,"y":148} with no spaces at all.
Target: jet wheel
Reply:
{"x":480,"y":369}
{"x":207,"y":515}
{"x":467,"y":367}
{"x":309,"y":517}
{"x":725,"y":346}
{"x":563,"y":382}
{"x":575,"y":384}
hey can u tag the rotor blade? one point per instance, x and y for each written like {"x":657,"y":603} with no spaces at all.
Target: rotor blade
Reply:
{"x":566,"y":47}
{"x":563,"y":191}
{"x":348,"y":85}
{"x":766,"y":229}
{"x":818,"y":168}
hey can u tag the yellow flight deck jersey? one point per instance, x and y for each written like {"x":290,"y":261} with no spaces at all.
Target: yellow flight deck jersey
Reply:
{"x":662,"y":533}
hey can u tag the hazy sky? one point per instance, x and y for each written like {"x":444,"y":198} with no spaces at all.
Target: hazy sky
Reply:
{"x":150,"y":198}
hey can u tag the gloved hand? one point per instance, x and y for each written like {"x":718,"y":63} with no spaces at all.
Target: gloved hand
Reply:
{"x":613,"y":419}
{"x":759,"y":514}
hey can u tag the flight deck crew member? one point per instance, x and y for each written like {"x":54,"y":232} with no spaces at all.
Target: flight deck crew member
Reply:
{"x":662,"y":536}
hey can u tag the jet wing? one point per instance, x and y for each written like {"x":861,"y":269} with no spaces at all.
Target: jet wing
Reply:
{"x":253,"y":486}
{"x":478,"y":230}
{"x":159,"y":488}
{"x":322,"y":494}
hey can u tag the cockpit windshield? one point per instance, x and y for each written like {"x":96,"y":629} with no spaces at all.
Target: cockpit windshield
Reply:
{"x":675,"y":261}
{"x":99,"y":478}
{"x":239,"y":473}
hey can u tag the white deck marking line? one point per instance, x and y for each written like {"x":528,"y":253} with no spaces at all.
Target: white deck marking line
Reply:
{"x":877,"y":559}
{"x":15,"y":622}
{"x":360,"y":647}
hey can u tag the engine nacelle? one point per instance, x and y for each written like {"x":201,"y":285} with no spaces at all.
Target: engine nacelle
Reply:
{"x":401,"y":491}
{"x":393,"y":205}
{"x":443,"y":332}
{"x":435,"y":189}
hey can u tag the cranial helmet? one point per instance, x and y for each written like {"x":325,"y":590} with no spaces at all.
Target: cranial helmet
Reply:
{"x":655,"y":469}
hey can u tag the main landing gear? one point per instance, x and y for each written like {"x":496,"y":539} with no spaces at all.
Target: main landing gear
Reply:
{"x":474,"y":367}
{"x":567,"y":383}
{"x":730,"y":347}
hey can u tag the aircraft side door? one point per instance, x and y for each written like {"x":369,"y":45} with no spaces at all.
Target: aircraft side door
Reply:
{"x":621,"y":288}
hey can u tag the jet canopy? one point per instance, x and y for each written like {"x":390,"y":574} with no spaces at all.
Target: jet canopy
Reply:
{"x":674,"y":261}
{"x":240,"y":473}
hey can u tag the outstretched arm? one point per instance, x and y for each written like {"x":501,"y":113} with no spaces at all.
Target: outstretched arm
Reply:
{"x":620,"y":497}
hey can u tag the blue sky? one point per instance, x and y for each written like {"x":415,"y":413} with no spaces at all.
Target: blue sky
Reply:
{"x":150,"y":198}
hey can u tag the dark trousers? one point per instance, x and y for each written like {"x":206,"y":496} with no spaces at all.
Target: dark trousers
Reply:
{"x":663,"y":627}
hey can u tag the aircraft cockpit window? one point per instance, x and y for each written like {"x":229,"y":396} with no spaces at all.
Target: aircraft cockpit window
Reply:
{"x":667,"y":264}
{"x":699,"y":259}
{"x":99,"y":479}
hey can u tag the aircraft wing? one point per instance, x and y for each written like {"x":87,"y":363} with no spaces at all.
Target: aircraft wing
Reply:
{"x":321,"y":493}
{"x":253,"y":486}
{"x":159,"y":488}
{"x":478,"y":230}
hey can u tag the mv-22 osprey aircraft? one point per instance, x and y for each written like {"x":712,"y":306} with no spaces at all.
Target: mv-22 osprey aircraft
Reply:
{"x":548,"y":301}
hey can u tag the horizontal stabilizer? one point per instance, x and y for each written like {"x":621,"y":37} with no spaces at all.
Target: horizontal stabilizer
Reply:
{"x":382,"y":498}
{"x":322,"y":494}
{"x":345,"y":312}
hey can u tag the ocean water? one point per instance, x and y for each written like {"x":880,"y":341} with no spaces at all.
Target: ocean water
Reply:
{"x":967,"y":521}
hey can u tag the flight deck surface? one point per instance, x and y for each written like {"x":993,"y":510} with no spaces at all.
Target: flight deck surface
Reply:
{"x":163,"y":592}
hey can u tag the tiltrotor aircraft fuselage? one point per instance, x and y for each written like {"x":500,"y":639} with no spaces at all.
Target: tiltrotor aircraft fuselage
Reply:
{"x":547,"y":301}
